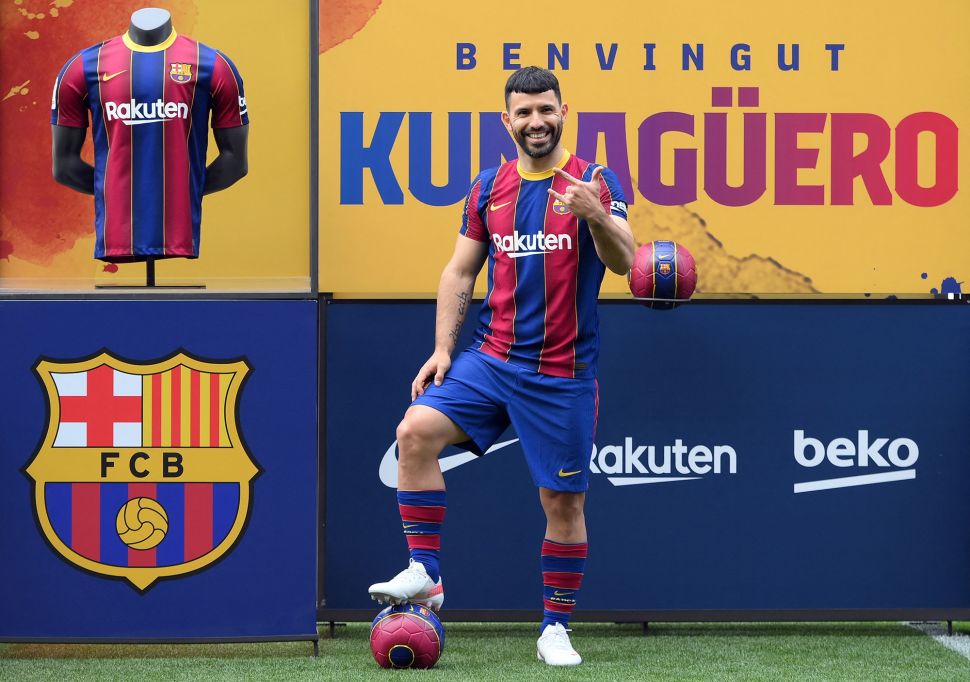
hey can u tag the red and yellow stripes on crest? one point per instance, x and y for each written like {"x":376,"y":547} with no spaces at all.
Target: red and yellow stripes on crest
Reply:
{"x":183,"y":407}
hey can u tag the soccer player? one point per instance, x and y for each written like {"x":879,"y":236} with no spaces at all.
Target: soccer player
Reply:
{"x":549,"y":224}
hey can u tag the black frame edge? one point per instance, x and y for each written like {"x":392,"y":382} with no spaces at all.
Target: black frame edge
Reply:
{"x":671,"y":616}
{"x":314,"y":217}
{"x":172,"y":640}
{"x":321,"y":518}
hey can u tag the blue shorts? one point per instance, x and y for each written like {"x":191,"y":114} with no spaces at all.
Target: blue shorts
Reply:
{"x":554,"y":417}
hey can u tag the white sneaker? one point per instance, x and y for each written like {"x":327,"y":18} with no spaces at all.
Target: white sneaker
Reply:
{"x":553,"y":647}
{"x":413,"y":584}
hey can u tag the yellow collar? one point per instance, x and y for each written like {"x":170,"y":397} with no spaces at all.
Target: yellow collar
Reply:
{"x":135,"y":47}
{"x":542,"y":175}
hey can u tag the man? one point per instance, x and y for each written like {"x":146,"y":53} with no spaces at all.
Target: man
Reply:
{"x":549,"y":224}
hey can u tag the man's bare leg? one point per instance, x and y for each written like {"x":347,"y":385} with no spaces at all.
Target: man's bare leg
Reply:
{"x":421,"y":436}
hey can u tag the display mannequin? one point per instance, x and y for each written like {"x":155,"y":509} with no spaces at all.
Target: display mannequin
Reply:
{"x":147,"y":157}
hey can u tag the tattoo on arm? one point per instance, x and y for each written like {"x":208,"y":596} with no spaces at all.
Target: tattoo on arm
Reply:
{"x":463,"y":299}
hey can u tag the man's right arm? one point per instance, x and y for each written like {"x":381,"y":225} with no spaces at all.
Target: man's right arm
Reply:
{"x":454,"y":299}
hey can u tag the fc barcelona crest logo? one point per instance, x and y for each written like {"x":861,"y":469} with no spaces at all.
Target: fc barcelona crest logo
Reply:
{"x":664,"y":269}
{"x":181,"y":72}
{"x":142,"y":472}
{"x":559,"y":208}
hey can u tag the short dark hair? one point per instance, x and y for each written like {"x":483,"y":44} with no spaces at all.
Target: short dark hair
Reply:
{"x":532,"y":80}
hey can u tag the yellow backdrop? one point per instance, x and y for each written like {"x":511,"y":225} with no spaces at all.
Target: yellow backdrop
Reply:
{"x":898,"y":59}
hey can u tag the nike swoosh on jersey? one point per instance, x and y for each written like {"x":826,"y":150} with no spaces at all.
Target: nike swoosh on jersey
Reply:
{"x":388,"y":468}
{"x":564,"y":474}
{"x":520,"y":254}
{"x":495,"y":207}
{"x":105,"y":77}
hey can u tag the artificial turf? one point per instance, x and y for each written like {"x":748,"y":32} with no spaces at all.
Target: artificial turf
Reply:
{"x":723,"y":651}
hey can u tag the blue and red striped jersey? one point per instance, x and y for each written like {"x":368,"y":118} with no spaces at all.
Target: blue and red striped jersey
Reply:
{"x":149,"y":109}
{"x":544,"y":274}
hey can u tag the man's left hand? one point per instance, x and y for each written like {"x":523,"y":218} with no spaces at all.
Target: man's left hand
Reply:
{"x":582,"y":198}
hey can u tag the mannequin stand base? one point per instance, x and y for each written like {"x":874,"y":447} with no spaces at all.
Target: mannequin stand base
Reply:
{"x":152,"y":287}
{"x":149,"y":281}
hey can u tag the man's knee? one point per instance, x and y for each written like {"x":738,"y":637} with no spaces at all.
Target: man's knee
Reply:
{"x":563,"y":505}
{"x":417,"y":437}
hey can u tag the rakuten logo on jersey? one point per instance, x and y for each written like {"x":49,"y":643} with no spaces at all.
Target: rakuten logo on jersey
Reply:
{"x":861,"y":455}
{"x":517,"y":245}
{"x":631,"y":464}
{"x":135,"y":113}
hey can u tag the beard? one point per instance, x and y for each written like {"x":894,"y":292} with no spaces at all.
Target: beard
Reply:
{"x":530,"y":147}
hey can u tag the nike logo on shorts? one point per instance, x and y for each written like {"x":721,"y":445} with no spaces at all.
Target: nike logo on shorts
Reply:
{"x":564,"y":474}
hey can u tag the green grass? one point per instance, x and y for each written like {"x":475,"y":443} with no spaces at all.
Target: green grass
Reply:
{"x":732,"y":651}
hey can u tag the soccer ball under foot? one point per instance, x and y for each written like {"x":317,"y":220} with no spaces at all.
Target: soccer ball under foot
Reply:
{"x":407,"y":636}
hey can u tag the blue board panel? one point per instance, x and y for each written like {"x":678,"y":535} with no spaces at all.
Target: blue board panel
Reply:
{"x":265,"y":585}
{"x":771,"y":416}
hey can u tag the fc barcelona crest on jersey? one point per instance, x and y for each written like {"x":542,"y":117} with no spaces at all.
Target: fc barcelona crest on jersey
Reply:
{"x":142,"y":472}
{"x":559,"y":208}
{"x":181,"y":72}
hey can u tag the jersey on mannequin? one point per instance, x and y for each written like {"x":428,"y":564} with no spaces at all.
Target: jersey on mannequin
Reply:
{"x":149,"y":94}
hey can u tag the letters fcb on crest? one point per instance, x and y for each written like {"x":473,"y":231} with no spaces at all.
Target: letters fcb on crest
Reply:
{"x":142,"y":472}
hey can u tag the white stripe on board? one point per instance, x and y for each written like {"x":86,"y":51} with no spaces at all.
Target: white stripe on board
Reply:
{"x":850,"y":481}
{"x":641,"y":480}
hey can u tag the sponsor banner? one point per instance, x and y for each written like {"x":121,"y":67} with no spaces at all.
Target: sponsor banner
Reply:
{"x":791,"y":150}
{"x":159,"y":460}
{"x":254,"y":236}
{"x":746,"y":457}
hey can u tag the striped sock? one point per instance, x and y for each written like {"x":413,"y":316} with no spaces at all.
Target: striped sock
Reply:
{"x":562,"y":575}
{"x":422,"y":513}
